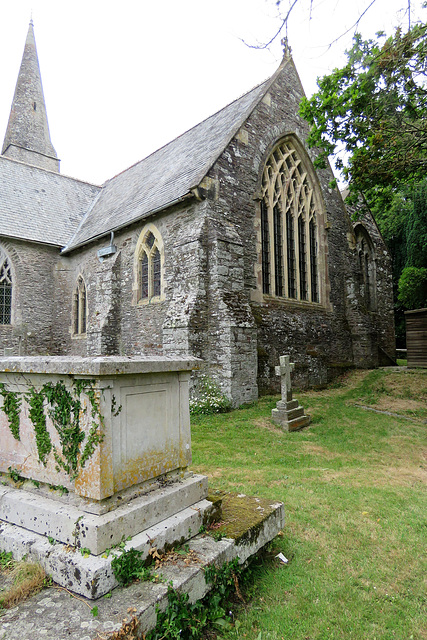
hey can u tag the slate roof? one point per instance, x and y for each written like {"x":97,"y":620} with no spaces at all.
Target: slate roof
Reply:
{"x":40,"y":205}
{"x":168,"y":174}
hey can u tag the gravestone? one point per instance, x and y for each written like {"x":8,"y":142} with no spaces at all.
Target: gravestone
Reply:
{"x":94,"y":460}
{"x":288,"y":413}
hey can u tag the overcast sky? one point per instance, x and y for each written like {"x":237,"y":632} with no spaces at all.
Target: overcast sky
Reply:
{"x":122,"y":78}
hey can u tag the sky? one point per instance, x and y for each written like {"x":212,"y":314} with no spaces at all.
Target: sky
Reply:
{"x":123,"y":78}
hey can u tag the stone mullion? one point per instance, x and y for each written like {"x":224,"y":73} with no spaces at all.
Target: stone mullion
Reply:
{"x":308,"y":255}
{"x":283,"y":208}
{"x":270,"y":215}
{"x":294,"y":213}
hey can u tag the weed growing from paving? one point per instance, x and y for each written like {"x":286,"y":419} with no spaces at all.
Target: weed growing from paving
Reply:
{"x":19,"y":580}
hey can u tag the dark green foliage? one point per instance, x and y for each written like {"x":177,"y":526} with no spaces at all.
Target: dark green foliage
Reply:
{"x":402,"y":218}
{"x":129,"y":566}
{"x":417,"y":229}
{"x":413,"y":288}
{"x":374,"y":108}
{"x":183,"y":620}
{"x":12,"y":409}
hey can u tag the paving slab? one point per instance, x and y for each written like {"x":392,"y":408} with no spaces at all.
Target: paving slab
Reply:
{"x":58,"y":614}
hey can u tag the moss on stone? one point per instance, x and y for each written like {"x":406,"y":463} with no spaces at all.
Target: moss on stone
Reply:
{"x":242,"y":516}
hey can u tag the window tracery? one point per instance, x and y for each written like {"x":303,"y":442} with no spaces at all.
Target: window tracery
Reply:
{"x":148,"y":285}
{"x":5,"y":290}
{"x":289,"y":228}
{"x":367,"y":267}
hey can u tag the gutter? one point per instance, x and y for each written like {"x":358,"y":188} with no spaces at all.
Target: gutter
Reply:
{"x":187,"y":196}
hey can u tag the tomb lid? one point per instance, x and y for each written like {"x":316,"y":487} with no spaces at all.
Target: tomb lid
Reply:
{"x":97,"y":366}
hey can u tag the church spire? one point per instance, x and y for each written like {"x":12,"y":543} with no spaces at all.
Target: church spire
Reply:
{"x":27,"y":137}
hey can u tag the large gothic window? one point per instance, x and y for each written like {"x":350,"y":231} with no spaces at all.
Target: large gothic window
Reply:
{"x":289,"y":228}
{"x":5,"y":290}
{"x":80,"y":308}
{"x":148,"y":284}
{"x":365,"y":253}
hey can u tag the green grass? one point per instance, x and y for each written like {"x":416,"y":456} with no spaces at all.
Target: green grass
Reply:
{"x":354,"y":489}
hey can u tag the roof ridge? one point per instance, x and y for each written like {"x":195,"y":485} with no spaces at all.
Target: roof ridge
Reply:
{"x":51,"y":171}
{"x":229,"y":104}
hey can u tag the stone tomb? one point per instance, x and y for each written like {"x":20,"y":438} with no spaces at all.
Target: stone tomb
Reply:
{"x":288,"y":413}
{"x":94,"y":454}
{"x":131,"y":423}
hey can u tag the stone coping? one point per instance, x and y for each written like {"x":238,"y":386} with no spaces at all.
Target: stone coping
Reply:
{"x":97,"y":366}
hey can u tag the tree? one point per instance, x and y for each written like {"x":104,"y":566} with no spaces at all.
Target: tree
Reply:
{"x":401,"y":215}
{"x":374,"y":109}
{"x":286,"y":10}
{"x":413,"y":288}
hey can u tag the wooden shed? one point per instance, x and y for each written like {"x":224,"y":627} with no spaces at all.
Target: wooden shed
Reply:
{"x":416,"y":337}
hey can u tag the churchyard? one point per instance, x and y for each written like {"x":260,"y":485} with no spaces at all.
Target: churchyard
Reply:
{"x":354,"y":488}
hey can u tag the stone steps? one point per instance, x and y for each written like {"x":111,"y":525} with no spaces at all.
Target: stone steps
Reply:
{"x":68,"y":618}
{"x":92,"y":575}
{"x":73,"y":526}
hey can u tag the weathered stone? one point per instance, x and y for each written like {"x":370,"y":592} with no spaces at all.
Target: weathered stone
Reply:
{"x":288,"y":413}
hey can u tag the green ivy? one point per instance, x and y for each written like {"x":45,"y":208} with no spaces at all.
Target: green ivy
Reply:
{"x":37,"y":416}
{"x":64,"y":407}
{"x":12,"y":408}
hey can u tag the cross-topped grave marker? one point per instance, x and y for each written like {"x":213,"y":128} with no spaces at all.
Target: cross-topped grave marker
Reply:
{"x":288,"y":413}
{"x":284,"y":370}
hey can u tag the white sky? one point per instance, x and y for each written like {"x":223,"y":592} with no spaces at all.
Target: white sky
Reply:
{"x":122,"y":78}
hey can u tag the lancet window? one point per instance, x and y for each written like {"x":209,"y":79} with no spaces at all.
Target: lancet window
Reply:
{"x":148,"y":266}
{"x":5,"y":290}
{"x":289,"y":228}
{"x":80,"y":308}
{"x":367,"y":267}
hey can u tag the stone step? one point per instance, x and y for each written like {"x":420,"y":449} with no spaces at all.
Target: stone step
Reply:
{"x":71,"y":525}
{"x":92,"y":576}
{"x":298,"y":423}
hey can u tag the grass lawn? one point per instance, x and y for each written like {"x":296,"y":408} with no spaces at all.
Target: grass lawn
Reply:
{"x":354,"y":488}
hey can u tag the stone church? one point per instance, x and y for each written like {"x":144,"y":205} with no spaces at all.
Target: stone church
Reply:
{"x":225,"y":244}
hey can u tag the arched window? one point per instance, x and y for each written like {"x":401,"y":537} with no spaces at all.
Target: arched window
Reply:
{"x":5,"y":290}
{"x":367,"y":266}
{"x":79,"y":308}
{"x":289,"y":228}
{"x":148,"y":282}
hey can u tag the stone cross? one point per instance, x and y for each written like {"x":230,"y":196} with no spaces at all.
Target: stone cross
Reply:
{"x":284,"y":370}
{"x":288,"y":413}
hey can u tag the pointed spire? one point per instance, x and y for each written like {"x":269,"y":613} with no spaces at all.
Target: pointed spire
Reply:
{"x":27,"y":137}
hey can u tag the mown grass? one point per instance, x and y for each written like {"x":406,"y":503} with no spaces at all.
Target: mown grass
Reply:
{"x":354,"y":489}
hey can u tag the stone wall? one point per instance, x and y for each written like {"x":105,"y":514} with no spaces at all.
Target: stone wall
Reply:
{"x":317,"y":336}
{"x":211,"y":305}
{"x":33,"y":301}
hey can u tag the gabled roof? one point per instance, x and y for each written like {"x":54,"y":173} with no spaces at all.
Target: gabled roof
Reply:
{"x":40,"y":205}
{"x":169,"y":174}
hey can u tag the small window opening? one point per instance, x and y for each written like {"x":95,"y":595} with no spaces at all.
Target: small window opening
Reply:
{"x":80,"y":308}
{"x":5,"y":292}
